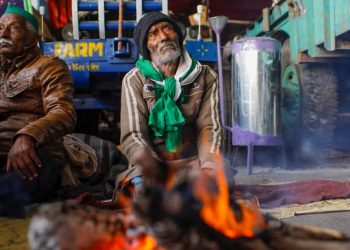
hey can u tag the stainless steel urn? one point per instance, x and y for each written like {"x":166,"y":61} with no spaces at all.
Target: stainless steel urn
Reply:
{"x":256,"y":85}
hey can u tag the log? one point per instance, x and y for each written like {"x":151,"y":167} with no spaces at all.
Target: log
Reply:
{"x":170,"y":219}
{"x":69,"y":225}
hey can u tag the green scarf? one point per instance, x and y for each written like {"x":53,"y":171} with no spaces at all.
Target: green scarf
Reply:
{"x":165,"y":118}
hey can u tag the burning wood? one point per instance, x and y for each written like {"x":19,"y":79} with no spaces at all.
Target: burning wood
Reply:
{"x":194,"y":212}
{"x":198,"y":213}
{"x":72,"y":226}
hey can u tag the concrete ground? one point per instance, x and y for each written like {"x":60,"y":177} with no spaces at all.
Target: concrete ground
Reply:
{"x":336,"y":168}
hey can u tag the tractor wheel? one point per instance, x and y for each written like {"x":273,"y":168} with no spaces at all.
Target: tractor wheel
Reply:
{"x":309,"y":108}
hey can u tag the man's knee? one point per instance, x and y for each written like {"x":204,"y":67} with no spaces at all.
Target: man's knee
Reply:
{"x":48,"y":180}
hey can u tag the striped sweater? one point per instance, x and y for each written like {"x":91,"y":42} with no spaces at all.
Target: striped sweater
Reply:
{"x":202,"y":130}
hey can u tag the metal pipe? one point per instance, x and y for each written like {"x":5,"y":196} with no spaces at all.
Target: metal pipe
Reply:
{"x":221,"y":84}
{"x":101,"y":19}
{"x":199,"y":11}
{"x":266,"y":19}
{"x":139,"y":11}
{"x":217,"y":24}
{"x":240,"y":22}
{"x":165,"y":7}
{"x":42,"y":13}
{"x":75,"y":19}
{"x":120,"y":24}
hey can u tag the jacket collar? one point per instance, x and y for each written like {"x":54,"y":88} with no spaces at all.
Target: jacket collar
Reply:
{"x":29,"y":54}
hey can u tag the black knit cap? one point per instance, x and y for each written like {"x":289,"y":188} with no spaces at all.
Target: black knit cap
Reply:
{"x":143,"y":26}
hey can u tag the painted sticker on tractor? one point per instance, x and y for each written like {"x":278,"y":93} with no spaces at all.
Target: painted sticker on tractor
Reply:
{"x":83,"y":67}
{"x":80,"y":49}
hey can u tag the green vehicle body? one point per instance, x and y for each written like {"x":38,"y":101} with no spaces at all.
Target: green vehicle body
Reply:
{"x":315,"y":37}
{"x":312,"y":26}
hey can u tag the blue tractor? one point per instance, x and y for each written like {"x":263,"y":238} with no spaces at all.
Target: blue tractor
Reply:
{"x":99,"y":51}
{"x":98,"y":55}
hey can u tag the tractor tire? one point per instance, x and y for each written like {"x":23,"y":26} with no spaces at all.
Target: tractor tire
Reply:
{"x":309,"y":108}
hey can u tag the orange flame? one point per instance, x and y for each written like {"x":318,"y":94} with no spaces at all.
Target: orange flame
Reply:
{"x":146,"y":243}
{"x":121,"y":242}
{"x":216,"y":211}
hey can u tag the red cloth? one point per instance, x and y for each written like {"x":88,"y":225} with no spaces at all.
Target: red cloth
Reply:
{"x":60,"y":12}
{"x":85,"y":198}
{"x":269,"y":196}
{"x":300,"y":192}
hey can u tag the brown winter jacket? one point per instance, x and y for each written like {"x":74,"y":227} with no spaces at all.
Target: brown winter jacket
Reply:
{"x":202,"y":130}
{"x":36,"y":99}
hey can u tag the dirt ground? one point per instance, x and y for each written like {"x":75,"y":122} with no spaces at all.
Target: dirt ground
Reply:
{"x":335,"y":169}
{"x":13,"y":232}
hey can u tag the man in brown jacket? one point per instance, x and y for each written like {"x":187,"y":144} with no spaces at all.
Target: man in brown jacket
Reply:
{"x":169,"y":106}
{"x":36,"y":110}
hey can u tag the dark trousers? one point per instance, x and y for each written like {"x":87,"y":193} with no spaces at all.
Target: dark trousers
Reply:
{"x":16,"y":193}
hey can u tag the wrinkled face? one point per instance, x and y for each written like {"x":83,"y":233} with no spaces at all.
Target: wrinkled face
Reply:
{"x":162,"y":42}
{"x":13,"y":35}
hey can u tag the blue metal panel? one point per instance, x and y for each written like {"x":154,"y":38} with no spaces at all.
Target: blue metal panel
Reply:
{"x":110,"y":25}
{"x":202,"y":51}
{"x":107,"y":67}
{"x":80,"y":71}
{"x":95,"y":56}
{"x":94,"y":103}
{"x":129,"y":7}
{"x":96,"y":50}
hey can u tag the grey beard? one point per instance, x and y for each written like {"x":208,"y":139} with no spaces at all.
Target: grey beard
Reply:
{"x":170,"y":57}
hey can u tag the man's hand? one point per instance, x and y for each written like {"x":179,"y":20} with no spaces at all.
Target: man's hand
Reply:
{"x":153,"y":171}
{"x":22,"y":158}
{"x":208,"y":172}
{"x":208,"y":168}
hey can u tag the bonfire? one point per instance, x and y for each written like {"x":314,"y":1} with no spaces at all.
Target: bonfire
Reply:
{"x":191,"y":210}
